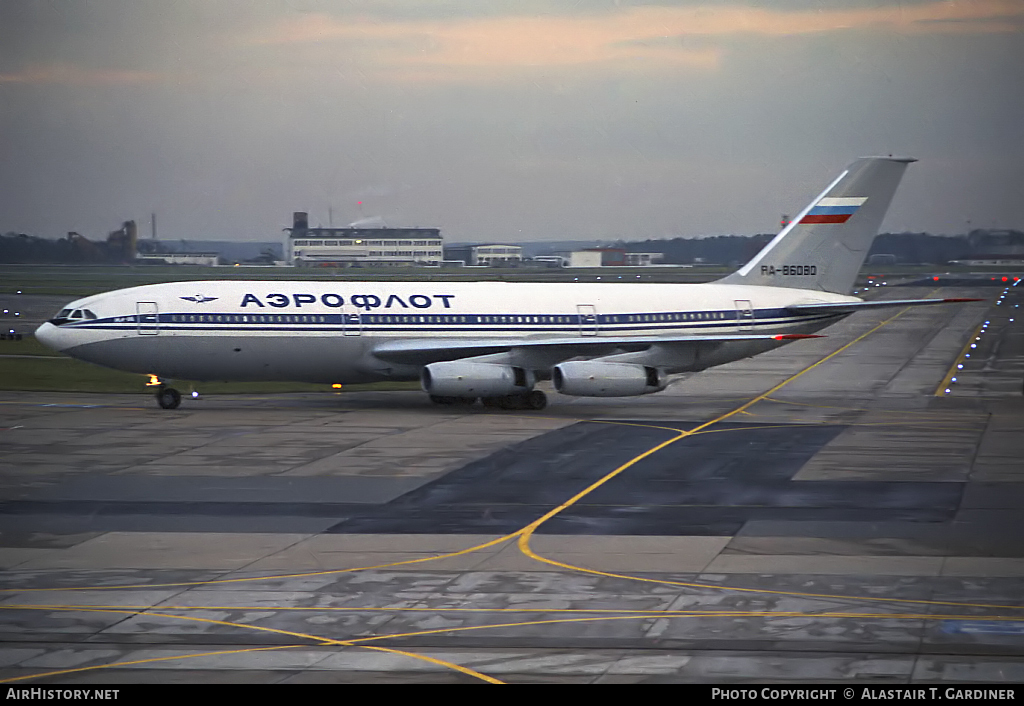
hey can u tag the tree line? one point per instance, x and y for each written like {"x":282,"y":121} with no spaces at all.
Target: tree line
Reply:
{"x":908,"y":248}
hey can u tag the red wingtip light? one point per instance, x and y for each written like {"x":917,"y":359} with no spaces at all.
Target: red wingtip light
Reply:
{"x":795,"y":336}
{"x":935,"y":278}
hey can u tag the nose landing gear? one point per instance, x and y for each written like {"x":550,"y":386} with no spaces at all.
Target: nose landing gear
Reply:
{"x":166,"y":397}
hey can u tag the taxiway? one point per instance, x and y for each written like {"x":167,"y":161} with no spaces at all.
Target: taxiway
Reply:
{"x":822,"y":512}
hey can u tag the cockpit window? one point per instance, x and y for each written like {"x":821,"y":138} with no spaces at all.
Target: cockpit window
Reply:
{"x":88,"y":314}
{"x":64,"y":313}
{"x":76,"y":314}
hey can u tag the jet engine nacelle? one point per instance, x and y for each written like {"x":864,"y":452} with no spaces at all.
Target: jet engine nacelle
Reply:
{"x":463,"y":379}
{"x":587,"y":378}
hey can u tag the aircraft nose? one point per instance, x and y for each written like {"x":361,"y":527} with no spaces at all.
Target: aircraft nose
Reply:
{"x":50,"y":336}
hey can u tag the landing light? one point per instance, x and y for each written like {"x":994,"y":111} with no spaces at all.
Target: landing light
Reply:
{"x":195,"y":395}
{"x":336,"y":386}
{"x":153,"y":381}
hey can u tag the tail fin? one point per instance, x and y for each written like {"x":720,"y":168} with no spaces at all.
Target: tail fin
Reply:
{"x":824,"y":247}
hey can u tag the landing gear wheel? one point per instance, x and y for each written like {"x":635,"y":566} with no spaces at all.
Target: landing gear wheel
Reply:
{"x":536,"y":400}
{"x":168,"y":398}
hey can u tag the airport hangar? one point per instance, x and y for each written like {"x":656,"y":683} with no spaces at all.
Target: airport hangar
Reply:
{"x":827,"y":512}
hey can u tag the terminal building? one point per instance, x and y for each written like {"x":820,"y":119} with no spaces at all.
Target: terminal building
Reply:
{"x":355,"y":246}
{"x":485,"y":254}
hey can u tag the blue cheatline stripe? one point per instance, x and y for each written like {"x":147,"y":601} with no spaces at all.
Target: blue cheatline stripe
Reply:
{"x":607,"y":320}
{"x":711,"y":318}
{"x":832,"y":210}
{"x":483,"y":328}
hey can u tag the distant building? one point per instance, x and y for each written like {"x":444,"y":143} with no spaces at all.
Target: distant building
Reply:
{"x":550,"y":260}
{"x":644,"y":259}
{"x":611,"y":257}
{"x":358,"y":246}
{"x":585,"y":258}
{"x":485,"y":254}
{"x":882,"y":259}
{"x":996,"y":246}
{"x":208,"y":259}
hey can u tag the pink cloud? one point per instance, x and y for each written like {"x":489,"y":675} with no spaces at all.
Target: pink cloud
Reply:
{"x":647,"y":34}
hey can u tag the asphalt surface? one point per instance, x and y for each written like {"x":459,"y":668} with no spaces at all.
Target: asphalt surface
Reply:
{"x":856,"y":523}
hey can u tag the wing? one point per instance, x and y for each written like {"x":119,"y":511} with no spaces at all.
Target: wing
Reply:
{"x":850,"y":307}
{"x":432,"y":350}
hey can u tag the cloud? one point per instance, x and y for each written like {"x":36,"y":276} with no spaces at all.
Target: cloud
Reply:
{"x":648,"y":36}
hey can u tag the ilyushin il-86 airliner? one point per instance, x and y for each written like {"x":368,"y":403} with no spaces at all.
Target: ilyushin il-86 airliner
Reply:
{"x":494,"y":341}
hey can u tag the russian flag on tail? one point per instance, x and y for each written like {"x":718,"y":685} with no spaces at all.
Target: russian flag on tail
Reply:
{"x":833,"y":210}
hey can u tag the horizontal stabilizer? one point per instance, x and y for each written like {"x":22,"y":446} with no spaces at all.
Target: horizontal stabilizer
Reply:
{"x":850,"y":307}
{"x":416,"y":350}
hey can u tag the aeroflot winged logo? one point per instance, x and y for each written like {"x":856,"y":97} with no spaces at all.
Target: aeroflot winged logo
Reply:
{"x":833,"y":210}
{"x":199,"y":299}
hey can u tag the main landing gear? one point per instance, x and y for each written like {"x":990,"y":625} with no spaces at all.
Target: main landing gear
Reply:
{"x":533,"y":400}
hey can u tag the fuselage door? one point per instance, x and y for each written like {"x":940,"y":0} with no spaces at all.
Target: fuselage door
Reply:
{"x":147,"y":318}
{"x":588,"y":319}
{"x":744,"y":315}
{"x":353,"y":324}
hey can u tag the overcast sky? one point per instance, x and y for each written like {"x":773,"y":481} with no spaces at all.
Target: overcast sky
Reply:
{"x":502,"y":119}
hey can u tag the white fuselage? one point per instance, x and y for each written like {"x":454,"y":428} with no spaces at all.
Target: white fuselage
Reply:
{"x":326,"y":331}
